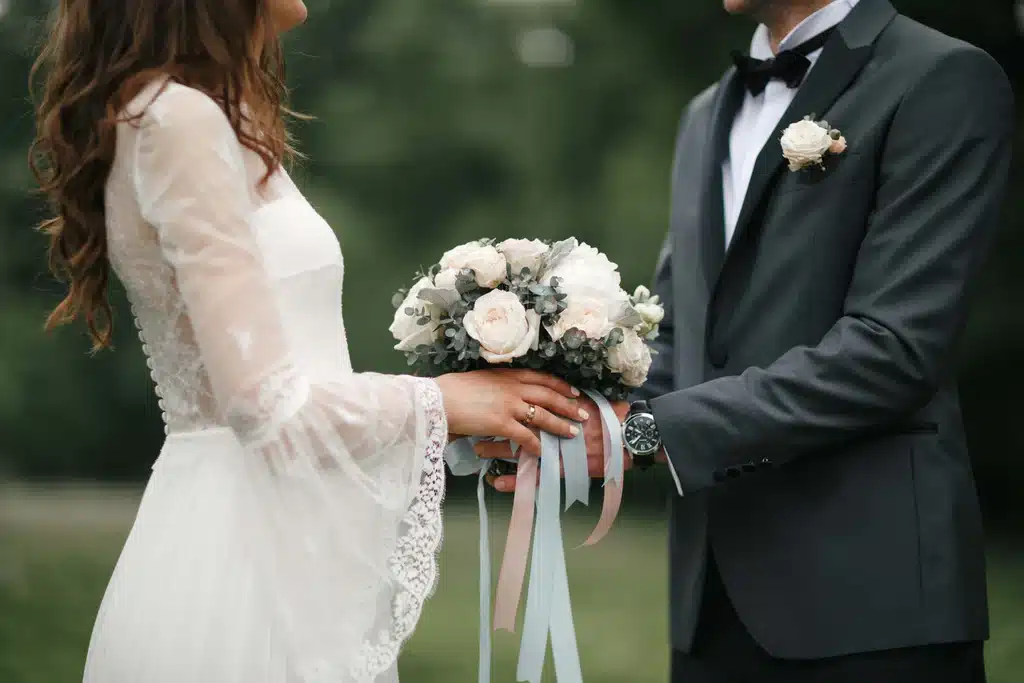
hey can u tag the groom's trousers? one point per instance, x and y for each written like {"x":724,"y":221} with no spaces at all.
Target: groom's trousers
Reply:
{"x":724,"y":652}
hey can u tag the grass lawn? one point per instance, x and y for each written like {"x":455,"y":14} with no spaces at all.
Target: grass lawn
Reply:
{"x":58,"y":546}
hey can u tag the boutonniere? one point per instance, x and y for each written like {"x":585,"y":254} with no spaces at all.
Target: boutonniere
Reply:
{"x":806,"y":143}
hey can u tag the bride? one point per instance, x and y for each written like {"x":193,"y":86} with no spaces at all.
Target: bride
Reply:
{"x":289,"y":530}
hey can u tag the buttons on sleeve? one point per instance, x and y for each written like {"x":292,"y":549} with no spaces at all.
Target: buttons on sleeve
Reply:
{"x":735,"y":471}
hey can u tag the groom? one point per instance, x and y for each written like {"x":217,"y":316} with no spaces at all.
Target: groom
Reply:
{"x":827,"y":526}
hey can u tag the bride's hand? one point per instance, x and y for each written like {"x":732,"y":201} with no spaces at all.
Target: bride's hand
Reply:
{"x":497,"y":403}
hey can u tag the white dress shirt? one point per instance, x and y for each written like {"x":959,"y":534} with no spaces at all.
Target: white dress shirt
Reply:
{"x":760,"y":115}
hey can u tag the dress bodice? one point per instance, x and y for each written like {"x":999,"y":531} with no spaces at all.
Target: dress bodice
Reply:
{"x":300,"y":253}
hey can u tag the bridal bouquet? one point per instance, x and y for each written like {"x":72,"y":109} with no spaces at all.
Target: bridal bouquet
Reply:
{"x":557,"y":308}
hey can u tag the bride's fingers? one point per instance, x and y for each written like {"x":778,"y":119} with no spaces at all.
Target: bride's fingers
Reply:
{"x":544,"y":420}
{"x":552,"y":401}
{"x":544,"y":380}
{"x":523,"y":435}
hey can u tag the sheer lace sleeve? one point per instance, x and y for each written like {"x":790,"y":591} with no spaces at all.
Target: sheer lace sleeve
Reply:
{"x":344,"y":474}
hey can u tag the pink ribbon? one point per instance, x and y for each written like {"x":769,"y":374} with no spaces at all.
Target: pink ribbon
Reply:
{"x":609,"y":511}
{"x":517,"y":545}
{"x":520,"y":532}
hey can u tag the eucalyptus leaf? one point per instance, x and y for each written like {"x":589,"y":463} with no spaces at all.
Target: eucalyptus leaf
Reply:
{"x":541,"y":290}
{"x":545,"y":307}
{"x":574,"y":339}
{"x":615,"y":337}
{"x":558,"y":252}
{"x":445,"y":298}
{"x":628,"y":317}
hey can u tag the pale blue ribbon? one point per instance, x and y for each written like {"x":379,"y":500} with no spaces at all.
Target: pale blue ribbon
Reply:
{"x":612,"y":437}
{"x":548,"y":607}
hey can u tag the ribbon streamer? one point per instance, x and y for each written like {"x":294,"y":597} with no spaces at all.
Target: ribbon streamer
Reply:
{"x":517,"y":545}
{"x":548,"y":615}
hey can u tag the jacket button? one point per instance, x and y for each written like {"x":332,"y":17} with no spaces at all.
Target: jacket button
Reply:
{"x":733,"y":472}
{"x":718,"y":356}
{"x":749,"y":467}
{"x":765,"y":463}
{"x":719,"y":476}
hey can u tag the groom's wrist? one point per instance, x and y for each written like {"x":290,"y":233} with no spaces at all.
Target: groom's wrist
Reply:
{"x":640,"y":435}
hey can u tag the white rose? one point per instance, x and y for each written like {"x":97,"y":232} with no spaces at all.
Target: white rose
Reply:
{"x":804,"y":143}
{"x":503,"y":326}
{"x":446,"y":279}
{"x":487,"y":263}
{"x":523,"y":254}
{"x":590,"y":315}
{"x":651,"y":313}
{"x":406,"y":328}
{"x":631,"y":359}
{"x":587,"y":272}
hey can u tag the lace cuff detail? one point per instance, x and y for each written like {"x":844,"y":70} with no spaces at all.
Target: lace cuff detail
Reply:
{"x":413,"y":565}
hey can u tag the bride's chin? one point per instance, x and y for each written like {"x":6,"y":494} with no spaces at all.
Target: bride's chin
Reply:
{"x":290,"y":14}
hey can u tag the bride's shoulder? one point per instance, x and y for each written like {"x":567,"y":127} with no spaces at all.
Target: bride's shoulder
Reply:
{"x":165,"y":103}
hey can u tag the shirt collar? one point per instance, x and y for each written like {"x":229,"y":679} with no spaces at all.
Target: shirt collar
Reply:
{"x":828,"y":16}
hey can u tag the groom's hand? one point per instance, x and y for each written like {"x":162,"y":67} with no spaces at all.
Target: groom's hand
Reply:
{"x":593,"y":434}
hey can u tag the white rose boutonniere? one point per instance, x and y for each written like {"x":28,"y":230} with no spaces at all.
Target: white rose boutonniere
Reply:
{"x":503,"y":326}
{"x":805,"y":143}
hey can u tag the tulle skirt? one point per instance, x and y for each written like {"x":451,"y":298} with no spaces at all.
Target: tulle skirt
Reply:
{"x":184,"y":603}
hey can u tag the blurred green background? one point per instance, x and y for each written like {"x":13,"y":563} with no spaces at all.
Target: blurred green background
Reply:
{"x":438,"y":122}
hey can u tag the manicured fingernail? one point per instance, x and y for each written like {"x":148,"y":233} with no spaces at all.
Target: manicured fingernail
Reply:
{"x":575,"y":391}
{"x":574,"y":430}
{"x":502,"y":485}
{"x":584,"y":415}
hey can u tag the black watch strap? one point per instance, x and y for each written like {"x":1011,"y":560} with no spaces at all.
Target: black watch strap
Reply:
{"x":643,"y":462}
{"x":639,"y":407}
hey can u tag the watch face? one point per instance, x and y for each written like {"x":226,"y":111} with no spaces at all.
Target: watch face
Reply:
{"x":641,"y":434}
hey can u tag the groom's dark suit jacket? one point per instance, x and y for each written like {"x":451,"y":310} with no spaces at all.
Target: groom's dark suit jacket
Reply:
{"x":805,"y":388}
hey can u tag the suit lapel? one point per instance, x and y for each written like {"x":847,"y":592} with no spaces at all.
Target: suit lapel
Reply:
{"x":845,"y":54}
{"x":728,"y":100}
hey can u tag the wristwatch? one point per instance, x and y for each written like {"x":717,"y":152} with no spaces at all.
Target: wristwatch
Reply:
{"x":640,"y":434}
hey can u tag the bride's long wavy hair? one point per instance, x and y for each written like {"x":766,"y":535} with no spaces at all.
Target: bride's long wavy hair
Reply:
{"x":98,"y":55}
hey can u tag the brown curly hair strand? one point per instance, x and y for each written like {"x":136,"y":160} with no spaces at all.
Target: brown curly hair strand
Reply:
{"x":98,"y":55}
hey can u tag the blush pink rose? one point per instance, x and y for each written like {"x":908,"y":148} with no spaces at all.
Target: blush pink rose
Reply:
{"x":838,"y":146}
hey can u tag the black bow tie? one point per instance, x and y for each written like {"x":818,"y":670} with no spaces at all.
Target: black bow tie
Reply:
{"x":789,"y":66}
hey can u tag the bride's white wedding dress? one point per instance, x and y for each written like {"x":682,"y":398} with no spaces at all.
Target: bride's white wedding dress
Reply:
{"x":290,"y":527}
